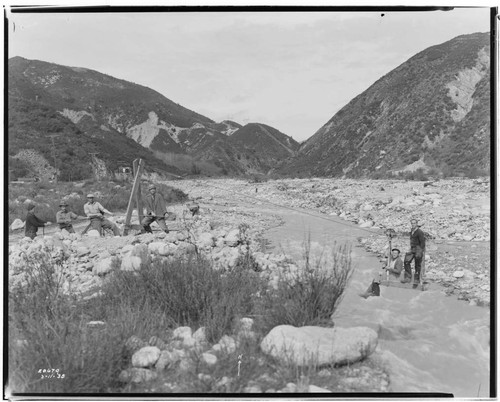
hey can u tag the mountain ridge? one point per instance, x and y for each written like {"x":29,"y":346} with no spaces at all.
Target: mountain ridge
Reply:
{"x":420,"y":110}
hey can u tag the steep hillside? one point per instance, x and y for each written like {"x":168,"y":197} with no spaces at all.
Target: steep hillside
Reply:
{"x":262,"y":145}
{"x":433,"y":111}
{"x":118,"y":119}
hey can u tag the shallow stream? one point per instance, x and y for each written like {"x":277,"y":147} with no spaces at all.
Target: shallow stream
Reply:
{"x":428,"y":342}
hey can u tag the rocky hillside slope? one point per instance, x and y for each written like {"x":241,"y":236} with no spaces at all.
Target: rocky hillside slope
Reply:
{"x":433,"y":111}
{"x":120,"y":120}
{"x":253,"y":148}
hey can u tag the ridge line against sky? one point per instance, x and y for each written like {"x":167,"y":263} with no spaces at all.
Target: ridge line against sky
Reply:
{"x":292,"y":71}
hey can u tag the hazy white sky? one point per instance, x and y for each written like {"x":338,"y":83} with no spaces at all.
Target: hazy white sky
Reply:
{"x":290,"y":70}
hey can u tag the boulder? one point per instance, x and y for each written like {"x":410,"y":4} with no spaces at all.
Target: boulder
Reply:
{"x":156,"y":246}
{"x":182,"y":333}
{"x":126,"y":249}
{"x":206,"y":240}
{"x":131,"y":263}
{"x":104,"y":266}
{"x":200,"y":335}
{"x":141,"y":251}
{"x":146,"y":356}
{"x":166,"y":359}
{"x":318,"y":345}
{"x":185,"y":248}
{"x":227,"y":344}
{"x":232,"y":238}
{"x":17,"y":224}
{"x":209,"y":359}
{"x":82,"y":251}
{"x":93,"y":233}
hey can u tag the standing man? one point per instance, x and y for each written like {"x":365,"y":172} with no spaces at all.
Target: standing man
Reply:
{"x":156,"y":208}
{"x":95,"y":212}
{"x":64,"y":217}
{"x":33,"y":222}
{"x":417,"y":249}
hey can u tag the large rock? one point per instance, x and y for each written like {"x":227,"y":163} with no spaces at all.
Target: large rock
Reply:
{"x":167,"y":359}
{"x":156,"y":246}
{"x":141,"y":251}
{"x":131,"y":263}
{"x":146,"y":356}
{"x":103,"y":266}
{"x":82,"y":251}
{"x":182,"y":333}
{"x":318,"y":345}
{"x":17,"y":224}
{"x":206,"y":240}
{"x":93,"y":233}
{"x":232,"y":238}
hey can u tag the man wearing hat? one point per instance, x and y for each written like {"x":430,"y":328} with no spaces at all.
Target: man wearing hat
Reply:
{"x":33,"y":222}
{"x":95,"y":212}
{"x":396,"y":266}
{"x":64,"y":217}
{"x":156,"y":208}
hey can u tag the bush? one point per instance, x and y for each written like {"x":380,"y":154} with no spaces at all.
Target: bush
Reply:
{"x":47,"y":331}
{"x":308,"y":296}
{"x":190,"y":293}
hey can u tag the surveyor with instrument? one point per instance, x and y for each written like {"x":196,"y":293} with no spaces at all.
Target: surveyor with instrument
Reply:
{"x":156,"y":209}
{"x":395,"y":264}
{"x":416,"y":252}
{"x":95,"y":212}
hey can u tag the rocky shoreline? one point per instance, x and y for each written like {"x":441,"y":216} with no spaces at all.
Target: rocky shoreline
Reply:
{"x":454,"y":214}
{"x":229,"y":227}
{"x":85,"y":263}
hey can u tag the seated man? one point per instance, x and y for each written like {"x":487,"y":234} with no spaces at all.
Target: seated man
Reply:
{"x":394,"y":269}
{"x":396,"y":266}
{"x":95,"y":212}
{"x":64,"y":217}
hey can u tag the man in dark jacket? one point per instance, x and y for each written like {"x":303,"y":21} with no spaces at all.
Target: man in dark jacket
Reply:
{"x":32,"y":222}
{"x":156,"y":208}
{"x":417,"y":249}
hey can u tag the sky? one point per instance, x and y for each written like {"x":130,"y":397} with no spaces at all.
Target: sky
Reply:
{"x":290,"y":70}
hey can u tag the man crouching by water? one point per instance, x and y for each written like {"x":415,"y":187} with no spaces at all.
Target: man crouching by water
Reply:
{"x":394,"y":268}
{"x":416,"y":252}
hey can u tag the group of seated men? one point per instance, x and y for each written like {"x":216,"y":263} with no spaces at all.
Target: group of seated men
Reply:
{"x":156,"y":211}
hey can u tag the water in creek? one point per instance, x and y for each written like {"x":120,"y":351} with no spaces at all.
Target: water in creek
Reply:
{"x":427,"y":341}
